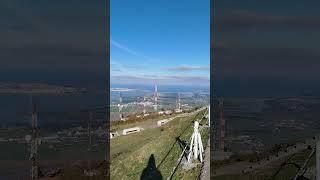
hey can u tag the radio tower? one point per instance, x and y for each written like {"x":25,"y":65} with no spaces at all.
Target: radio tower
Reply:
{"x":120,"y":106}
{"x":144,"y":105}
{"x":34,"y":143}
{"x":155,"y":97}
{"x":222,"y":126}
{"x":179,"y":101}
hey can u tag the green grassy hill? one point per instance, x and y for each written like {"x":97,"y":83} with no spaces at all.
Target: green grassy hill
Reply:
{"x":130,"y":154}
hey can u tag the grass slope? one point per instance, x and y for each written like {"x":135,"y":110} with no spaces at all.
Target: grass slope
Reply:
{"x":130,"y":154}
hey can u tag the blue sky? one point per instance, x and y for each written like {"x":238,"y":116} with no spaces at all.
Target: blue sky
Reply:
{"x":167,"y":41}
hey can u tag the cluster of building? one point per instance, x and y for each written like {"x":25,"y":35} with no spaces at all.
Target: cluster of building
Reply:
{"x":146,"y":103}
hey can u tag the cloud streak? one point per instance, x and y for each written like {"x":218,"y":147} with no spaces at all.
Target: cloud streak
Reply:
{"x":122,"y":47}
{"x":189,"y":68}
{"x":117,"y":66}
{"x":130,"y":51}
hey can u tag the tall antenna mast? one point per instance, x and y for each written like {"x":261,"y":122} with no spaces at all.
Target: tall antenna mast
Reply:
{"x":144,"y":105}
{"x":155,"y":97}
{"x":34,"y":142}
{"x":179,"y":101}
{"x":120,"y":106}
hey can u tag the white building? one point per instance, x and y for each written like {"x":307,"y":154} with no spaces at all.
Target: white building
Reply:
{"x":131,"y":130}
{"x":162,"y":122}
{"x":168,"y":112}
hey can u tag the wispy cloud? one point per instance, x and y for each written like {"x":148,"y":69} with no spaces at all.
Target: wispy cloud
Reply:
{"x":150,"y":76}
{"x":134,"y":66}
{"x":116,"y":70}
{"x":122,"y":47}
{"x":117,"y":66}
{"x":130,"y":51}
{"x":188,"y":68}
{"x":188,"y":77}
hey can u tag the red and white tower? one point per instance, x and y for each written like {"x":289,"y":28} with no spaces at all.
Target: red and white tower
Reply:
{"x":120,"y":106}
{"x":155,"y":97}
{"x":144,"y":105}
{"x":179,"y":101}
